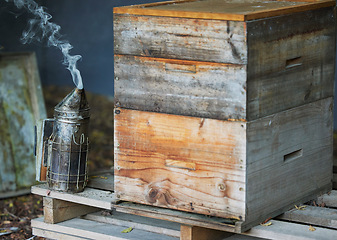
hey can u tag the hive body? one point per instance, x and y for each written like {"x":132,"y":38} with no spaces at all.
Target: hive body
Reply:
{"x":221,"y":109}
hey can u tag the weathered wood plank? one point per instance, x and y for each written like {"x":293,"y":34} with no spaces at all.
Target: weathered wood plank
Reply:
{"x":102,"y":180}
{"x":144,"y":141}
{"x":329,"y":199}
{"x":53,"y":235}
{"x":295,"y":57}
{"x":223,"y":10}
{"x":288,"y":154}
{"x":137,"y":222}
{"x":91,"y":197}
{"x":181,"y":217}
{"x":14,"y":193}
{"x":285,"y":230}
{"x":94,"y":230}
{"x":178,"y":87}
{"x":180,"y":38}
{"x":7,"y":170}
{"x":55,"y":210}
{"x":318,"y":216}
{"x":198,"y":233}
{"x":21,"y":105}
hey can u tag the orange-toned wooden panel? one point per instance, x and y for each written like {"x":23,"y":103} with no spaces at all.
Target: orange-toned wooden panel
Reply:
{"x":186,"y":163}
{"x":224,"y":10}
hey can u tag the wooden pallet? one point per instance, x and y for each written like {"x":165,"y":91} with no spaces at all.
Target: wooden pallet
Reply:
{"x":94,"y":214}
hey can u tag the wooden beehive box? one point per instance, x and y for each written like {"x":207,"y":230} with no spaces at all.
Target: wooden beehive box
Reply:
{"x":224,"y":108}
{"x":21,"y":106}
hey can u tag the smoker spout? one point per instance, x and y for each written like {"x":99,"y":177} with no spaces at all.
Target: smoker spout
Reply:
{"x":74,"y":105}
{"x":68,"y":144}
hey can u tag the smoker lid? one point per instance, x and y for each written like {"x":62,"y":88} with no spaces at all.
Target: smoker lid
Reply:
{"x":74,"y":103}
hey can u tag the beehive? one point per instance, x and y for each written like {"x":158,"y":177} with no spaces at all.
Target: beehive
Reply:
{"x":224,"y":108}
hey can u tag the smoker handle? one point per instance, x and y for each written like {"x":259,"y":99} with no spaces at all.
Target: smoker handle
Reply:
{"x":35,"y":140}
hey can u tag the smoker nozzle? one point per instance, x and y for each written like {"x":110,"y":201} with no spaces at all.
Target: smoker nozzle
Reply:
{"x":74,"y":106}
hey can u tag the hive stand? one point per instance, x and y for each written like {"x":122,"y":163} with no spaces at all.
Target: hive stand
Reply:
{"x":94,"y":214}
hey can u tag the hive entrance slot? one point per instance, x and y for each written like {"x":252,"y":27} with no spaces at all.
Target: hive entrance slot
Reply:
{"x":294,"y":62}
{"x":293,"y":155}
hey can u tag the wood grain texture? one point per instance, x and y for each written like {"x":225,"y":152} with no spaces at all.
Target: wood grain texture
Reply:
{"x":293,"y":231}
{"x":145,"y":140}
{"x":292,"y":63}
{"x":198,"y":233}
{"x":178,"y":87}
{"x":21,"y":104}
{"x":180,"y":38}
{"x":91,"y":197}
{"x":7,"y":170}
{"x":318,"y":216}
{"x":186,"y":218}
{"x":295,"y":57}
{"x":223,"y":10}
{"x":275,"y":183}
{"x":55,"y":210}
{"x":102,"y":180}
{"x":329,"y":199}
{"x":86,"y":229}
{"x":137,"y":222}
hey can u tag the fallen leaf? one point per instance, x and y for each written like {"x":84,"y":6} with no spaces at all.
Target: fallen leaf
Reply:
{"x":127,"y":230}
{"x":300,"y":207}
{"x":235,"y":218}
{"x":103,"y":177}
{"x":48,"y":192}
{"x":266,"y":224}
{"x":11,"y":205}
{"x":265,"y":221}
{"x":311,"y":228}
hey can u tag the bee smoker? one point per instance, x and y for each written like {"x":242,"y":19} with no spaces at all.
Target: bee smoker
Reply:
{"x":65,"y":148}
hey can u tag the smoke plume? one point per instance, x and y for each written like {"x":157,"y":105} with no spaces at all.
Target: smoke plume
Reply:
{"x":41,"y":29}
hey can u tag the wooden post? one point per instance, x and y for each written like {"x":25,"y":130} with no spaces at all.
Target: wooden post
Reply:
{"x":56,"y":210}
{"x":200,"y":233}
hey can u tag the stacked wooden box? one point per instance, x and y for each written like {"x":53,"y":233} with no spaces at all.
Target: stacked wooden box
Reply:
{"x":224,"y":107}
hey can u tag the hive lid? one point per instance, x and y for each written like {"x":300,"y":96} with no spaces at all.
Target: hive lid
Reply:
{"x":235,"y":10}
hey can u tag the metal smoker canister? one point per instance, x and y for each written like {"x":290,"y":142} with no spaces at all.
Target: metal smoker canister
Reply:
{"x":68,"y":144}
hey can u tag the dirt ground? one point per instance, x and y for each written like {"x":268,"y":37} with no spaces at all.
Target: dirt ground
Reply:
{"x":17,"y":212}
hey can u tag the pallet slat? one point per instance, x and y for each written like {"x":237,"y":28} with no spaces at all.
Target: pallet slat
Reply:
{"x":138,"y":222}
{"x":95,"y":230}
{"x":179,"y":217}
{"x":329,"y":199}
{"x":318,"y":216}
{"x":285,"y":230}
{"x":55,"y":210}
{"x":101,"y":227}
{"x":91,"y":197}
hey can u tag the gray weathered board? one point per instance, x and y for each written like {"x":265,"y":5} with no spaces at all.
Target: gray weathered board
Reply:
{"x":223,"y":69}
{"x":309,"y":223}
{"x":21,"y":105}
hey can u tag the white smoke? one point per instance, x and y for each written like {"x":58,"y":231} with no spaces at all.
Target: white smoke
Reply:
{"x":40,"y":29}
